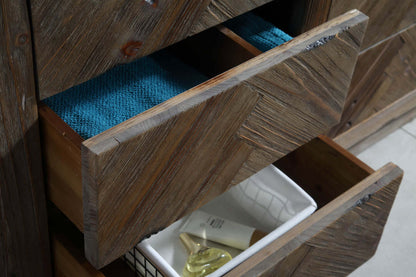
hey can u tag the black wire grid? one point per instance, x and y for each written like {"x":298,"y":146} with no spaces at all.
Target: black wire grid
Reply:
{"x":140,"y":264}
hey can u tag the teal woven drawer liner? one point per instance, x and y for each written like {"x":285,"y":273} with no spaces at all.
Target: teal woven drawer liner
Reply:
{"x":257,"y":31}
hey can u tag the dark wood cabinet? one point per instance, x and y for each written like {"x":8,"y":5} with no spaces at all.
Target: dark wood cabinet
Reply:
{"x":258,"y":108}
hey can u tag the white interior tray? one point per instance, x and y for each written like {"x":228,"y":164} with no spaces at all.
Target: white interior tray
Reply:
{"x":269,"y":201}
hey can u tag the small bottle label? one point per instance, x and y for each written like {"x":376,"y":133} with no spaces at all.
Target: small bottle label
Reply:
{"x":215,"y":222}
{"x":218,"y":229}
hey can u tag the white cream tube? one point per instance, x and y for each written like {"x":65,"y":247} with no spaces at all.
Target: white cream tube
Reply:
{"x":220,"y":230}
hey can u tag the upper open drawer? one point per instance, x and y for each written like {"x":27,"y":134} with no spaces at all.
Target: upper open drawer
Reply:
{"x":154,"y":168}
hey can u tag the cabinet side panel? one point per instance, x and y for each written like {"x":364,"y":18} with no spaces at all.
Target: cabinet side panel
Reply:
{"x":24,"y":242}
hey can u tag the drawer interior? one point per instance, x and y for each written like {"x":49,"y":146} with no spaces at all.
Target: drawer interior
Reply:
{"x":323,"y":169}
{"x":354,"y":203}
{"x":116,"y":185}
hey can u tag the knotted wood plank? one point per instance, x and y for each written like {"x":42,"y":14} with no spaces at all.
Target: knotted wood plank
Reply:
{"x":24,"y":242}
{"x":78,"y":40}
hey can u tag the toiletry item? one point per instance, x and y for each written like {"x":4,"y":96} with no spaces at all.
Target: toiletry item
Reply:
{"x":221,"y":230}
{"x":202,"y":260}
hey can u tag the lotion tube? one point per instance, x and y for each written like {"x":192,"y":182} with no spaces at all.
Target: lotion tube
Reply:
{"x":221,"y":230}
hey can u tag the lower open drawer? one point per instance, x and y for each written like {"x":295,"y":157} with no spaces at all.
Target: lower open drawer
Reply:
{"x":353,"y":204}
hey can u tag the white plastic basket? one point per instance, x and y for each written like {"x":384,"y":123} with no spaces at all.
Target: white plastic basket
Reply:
{"x":269,"y":201}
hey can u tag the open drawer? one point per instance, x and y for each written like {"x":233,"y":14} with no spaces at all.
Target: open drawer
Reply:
{"x":143,"y":174}
{"x":353,"y":205}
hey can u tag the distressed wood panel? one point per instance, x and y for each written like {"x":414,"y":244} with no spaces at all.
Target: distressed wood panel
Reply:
{"x":219,"y":11}
{"x":334,"y":240}
{"x":149,"y":171}
{"x":386,"y":17}
{"x":379,"y":125}
{"x":78,"y":40}
{"x":383,"y":74}
{"x":24,"y":244}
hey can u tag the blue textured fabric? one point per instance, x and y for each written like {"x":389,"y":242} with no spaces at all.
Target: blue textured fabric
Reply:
{"x":123,"y":92}
{"x":260,"y":33}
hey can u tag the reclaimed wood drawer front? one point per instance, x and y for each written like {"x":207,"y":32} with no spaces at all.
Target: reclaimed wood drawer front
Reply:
{"x":354,"y":202}
{"x":78,"y":40}
{"x":141,"y":175}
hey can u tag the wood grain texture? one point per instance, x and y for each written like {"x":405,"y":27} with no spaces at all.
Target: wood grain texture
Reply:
{"x":324,"y":169}
{"x":149,"y":171}
{"x":384,"y":74}
{"x":379,"y":125}
{"x":386,"y":17}
{"x":239,"y":41}
{"x":24,"y":244}
{"x":78,"y":40}
{"x":334,"y":240}
{"x":62,"y":163}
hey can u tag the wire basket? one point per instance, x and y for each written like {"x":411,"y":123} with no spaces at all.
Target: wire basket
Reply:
{"x":140,"y":264}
